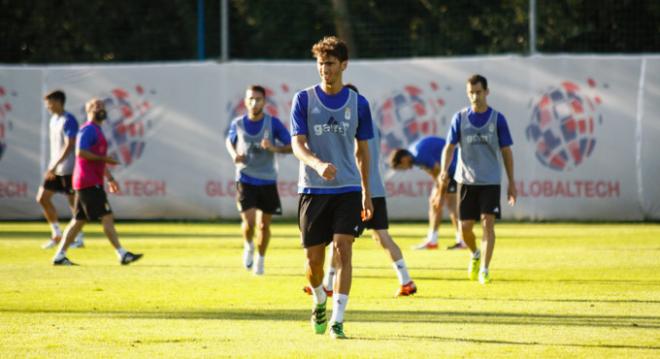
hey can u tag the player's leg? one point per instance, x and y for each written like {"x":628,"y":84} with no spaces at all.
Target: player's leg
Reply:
{"x":488,"y":245}
{"x":468,"y":213}
{"x":435,"y":216}
{"x":125,"y":257}
{"x":343,"y":244}
{"x":315,"y":255}
{"x":248,"y":219}
{"x":263,"y":238}
{"x":78,"y":243}
{"x":44,"y":198}
{"x":406,"y":284}
{"x":452,"y":208}
{"x":328,"y":279}
{"x":70,"y":232}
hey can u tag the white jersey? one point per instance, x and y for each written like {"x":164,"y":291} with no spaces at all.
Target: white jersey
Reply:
{"x":62,"y":127}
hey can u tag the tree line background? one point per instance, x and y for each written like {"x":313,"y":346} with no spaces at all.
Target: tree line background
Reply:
{"x":66,"y":31}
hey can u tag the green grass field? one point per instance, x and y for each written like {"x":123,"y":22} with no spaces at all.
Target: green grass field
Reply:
{"x":558,"y":290}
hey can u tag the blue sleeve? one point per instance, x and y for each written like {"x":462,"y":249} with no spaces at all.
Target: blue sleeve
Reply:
{"x":503,"y":131}
{"x":232,"y":135}
{"x":365,"y":128}
{"x":86,"y":138}
{"x":454,"y":133}
{"x":280,"y":132}
{"x":70,"y":126}
{"x":299,"y":114}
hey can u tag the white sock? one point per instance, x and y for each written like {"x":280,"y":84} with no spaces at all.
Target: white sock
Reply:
{"x":329,"y":277}
{"x":432,"y":237}
{"x":319,"y":295}
{"x":259,"y":268}
{"x":55,"y":229}
{"x":459,"y":239}
{"x":248,"y":246}
{"x":59,"y":255}
{"x":483,"y":269}
{"x":79,"y":237}
{"x":120,"y":252}
{"x":339,"y":302}
{"x":476,"y":254}
{"x":401,"y":271}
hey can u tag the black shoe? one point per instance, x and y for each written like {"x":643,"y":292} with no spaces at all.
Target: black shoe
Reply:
{"x":457,"y":246}
{"x":64,"y":261}
{"x":129,"y":258}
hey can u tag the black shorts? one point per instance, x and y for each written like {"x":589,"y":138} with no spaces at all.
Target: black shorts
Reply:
{"x":61,"y":184}
{"x":379,"y":219}
{"x":320,"y":216}
{"x":477,"y":200}
{"x":264,"y":198}
{"x":452,"y":186}
{"x":91,"y":203}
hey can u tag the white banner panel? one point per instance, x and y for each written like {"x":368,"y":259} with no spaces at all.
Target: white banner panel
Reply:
{"x":583,"y":130}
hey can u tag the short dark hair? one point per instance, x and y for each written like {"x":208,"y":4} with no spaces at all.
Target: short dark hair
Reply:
{"x":397,"y":155}
{"x":258,"y":88}
{"x":57,"y":95}
{"x":331,"y":46}
{"x":352,"y":87}
{"x":476,"y":78}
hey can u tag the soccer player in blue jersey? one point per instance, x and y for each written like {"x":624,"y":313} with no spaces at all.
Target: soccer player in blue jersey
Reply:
{"x":426,"y":154}
{"x":482,"y":136}
{"x":250,"y":146}
{"x":62,"y":130}
{"x":331,"y":125}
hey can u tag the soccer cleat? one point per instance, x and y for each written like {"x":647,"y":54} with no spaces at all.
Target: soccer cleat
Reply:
{"x":248,"y":258}
{"x":473,"y":268}
{"x":64,"y":261}
{"x":484,"y":277}
{"x":407,"y":289}
{"x":426,"y":246}
{"x":78,"y":243}
{"x":337,"y":331}
{"x":307,"y":289}
{"x":129,"y":258}
{"x":319,"y":320}
{"x":50,"y":244}
{"x":459,"y":245}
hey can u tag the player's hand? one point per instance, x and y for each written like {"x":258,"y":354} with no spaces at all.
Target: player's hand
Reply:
{"x":50,"y":174}
{"x":367,"y":208}
{"x":512,"y":194}
{"x":113,"y":186}
{"x":266,"y":144}
{"x":240,"y":159}
{"x":110,"y":160}
{"x":326,"y":170}
{"x":438,"y":196}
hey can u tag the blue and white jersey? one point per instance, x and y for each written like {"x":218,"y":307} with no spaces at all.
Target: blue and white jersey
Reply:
{"x":260,"y":167}
{"x":427,"y":153}
{"x":331,"y":124}
{"x":62,"y":127}
{"x":480,"y":136}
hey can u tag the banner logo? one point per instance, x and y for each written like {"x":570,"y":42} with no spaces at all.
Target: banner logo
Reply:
{"x":409,"y":114}
{"x":5,"y":122}
{"x":563,"y":125}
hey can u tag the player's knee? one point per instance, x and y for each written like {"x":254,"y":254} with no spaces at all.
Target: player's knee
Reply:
{"x":264,"y":226}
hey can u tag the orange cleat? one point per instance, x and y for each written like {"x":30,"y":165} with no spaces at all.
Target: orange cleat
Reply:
{"x":307,"y":289}
{"x":426,"y":246}
{"x":407,"y":289}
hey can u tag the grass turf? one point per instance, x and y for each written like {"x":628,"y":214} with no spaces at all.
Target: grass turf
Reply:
{"x":576,"y":290}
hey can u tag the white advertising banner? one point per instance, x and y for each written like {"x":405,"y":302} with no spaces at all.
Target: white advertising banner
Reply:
{"x":582,"y":127}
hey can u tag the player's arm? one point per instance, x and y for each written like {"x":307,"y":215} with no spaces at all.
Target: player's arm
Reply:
{"x":88,"y":155}
{"x":325,"y":169}
{"x":281,"y":134}
{"x":507,"y":158}
{"x":266,"y":144}
{"x":445,"y":162}
{"x":113,"y":186}
{"x":362,"y":157}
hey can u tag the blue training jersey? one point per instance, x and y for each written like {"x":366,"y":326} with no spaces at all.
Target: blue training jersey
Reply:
{"x":427,"y":152}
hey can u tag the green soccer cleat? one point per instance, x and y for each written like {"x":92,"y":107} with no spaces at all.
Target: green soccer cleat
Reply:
{"x":337,"y":331}
{"x":473,"y":268}
{"x":484,"y":277}
{"x":319,"y":320}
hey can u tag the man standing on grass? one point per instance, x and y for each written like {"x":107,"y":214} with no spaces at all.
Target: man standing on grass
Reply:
{"x":249,"y":145}
{"x":62,"y":130}
{"x":481,"y":134}
{"x":91,"y":201}
{"x":331,"y":125}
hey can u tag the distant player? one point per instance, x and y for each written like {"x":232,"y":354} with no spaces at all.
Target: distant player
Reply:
{"x":252,"y":150}
{"x":331,"y":125}
{"x":425,"y":153}
{"x":482,"y":134}
{"x":379,"y":224}
{"x":62,"y":130}
{"x":91,"y":202}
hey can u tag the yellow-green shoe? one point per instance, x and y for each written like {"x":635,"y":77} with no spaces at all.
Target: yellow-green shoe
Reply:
{"x":473,"y":268}
{"x":337,"y":331}
{"x":319,"y":320}
{"x":484,"y":277}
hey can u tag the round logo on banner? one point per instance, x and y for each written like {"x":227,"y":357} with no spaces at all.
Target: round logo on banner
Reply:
{"x":278,"y":104}
{"x":127,"y":123}
{"x":409,"y":114}
{"x":563,"y":125}
{"x":6,"y":98}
